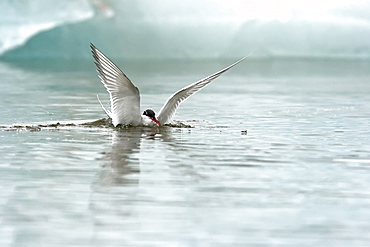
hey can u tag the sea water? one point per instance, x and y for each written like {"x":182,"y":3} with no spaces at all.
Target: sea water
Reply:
{"x":277,"y":155}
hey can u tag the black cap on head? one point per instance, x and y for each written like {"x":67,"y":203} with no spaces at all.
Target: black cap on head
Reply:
{"x":149,"y":112}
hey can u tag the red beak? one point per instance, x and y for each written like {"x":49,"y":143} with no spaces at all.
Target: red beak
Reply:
{"x":156,"y":121}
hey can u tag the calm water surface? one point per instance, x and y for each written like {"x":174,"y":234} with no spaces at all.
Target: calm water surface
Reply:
{"x":279,"y":156}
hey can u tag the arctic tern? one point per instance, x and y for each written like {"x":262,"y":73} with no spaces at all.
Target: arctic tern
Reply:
{"x":125,"y":96}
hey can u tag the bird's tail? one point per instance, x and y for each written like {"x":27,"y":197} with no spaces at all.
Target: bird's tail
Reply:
{"x":105,"y":110}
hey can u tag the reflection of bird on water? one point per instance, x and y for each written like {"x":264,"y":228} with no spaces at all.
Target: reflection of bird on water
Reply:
{"x":119,"y":161}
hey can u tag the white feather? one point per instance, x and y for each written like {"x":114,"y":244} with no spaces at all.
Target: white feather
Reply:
{"x":124,"y":96}
{"x":168,"y":110}
{"x":102,"y":106}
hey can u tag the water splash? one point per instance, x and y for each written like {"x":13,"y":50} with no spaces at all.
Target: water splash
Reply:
{"x":100,"y":123}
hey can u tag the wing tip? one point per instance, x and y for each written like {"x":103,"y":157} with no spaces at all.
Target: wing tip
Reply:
{"x":240,"y":60}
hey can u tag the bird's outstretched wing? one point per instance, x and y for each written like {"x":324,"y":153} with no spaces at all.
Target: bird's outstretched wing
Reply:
{"x":168,"y":110}
{"x":124,"y":96}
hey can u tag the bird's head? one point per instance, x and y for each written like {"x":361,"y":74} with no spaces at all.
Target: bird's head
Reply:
{"x":151,"y":114}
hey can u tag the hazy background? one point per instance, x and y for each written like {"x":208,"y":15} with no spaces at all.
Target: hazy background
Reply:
{"x":147,"y":29}
{"x":279,"y":152}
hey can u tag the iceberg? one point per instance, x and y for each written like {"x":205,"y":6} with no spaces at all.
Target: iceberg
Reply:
{"x":189,"y":29}
{"x":20,"y":21}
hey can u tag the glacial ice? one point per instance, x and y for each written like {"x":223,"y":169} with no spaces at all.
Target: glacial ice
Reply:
{"x":20,"y":21}
{"x":155,"y":29}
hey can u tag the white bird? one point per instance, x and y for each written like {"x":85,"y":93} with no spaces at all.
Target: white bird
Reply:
{"x":125,"y":97}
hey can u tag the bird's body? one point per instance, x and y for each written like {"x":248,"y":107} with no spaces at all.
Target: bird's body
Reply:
{"x":125,"y":96}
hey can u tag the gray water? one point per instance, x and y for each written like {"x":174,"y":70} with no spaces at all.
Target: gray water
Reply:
{"x":279,"y":155}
